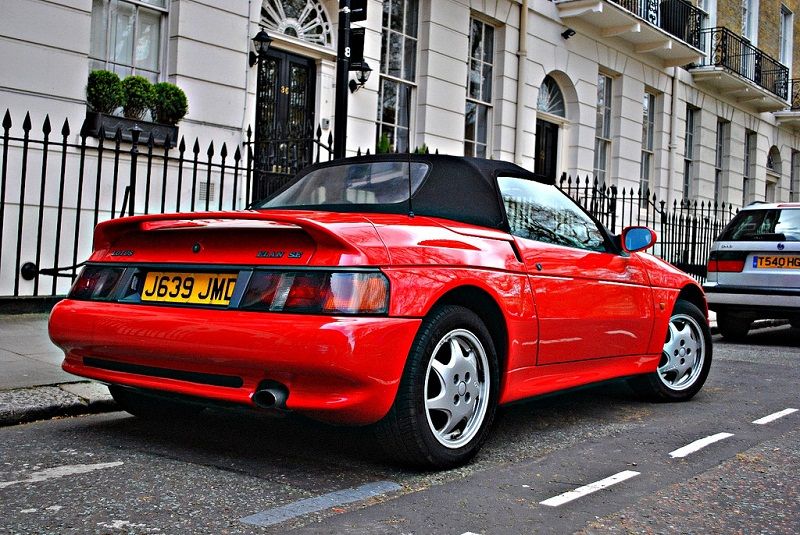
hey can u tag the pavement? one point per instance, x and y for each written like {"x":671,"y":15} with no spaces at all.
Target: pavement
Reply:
{"x":32,"y":384}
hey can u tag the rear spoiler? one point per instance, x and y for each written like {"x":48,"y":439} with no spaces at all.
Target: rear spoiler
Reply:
{"x":108,"y":232}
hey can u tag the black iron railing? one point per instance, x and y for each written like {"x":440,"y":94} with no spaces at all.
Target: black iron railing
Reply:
{"x":794,"y":93}
{"x":685,"y":230}
{"x":735,"y":53}
{"x":54,"y":191}
{"x":677,"y":17}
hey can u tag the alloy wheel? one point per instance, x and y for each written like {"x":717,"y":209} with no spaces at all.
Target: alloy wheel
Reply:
{"x":684,"y":353}
{"x":457,"y":387}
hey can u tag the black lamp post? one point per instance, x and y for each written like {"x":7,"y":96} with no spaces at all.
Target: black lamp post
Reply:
{"x":342,"y":71}
{"x":261,"y":43}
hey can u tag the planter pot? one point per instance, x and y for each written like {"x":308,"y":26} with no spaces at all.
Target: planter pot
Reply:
{"x":111,"y":123}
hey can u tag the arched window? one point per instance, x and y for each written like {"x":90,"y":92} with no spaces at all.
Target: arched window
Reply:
{"x":774,"y":160}
{"x":302,"y":19}
{"x":773,"y":174}
{"x":551,"y":99}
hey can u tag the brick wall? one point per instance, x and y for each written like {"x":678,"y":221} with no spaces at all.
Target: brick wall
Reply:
{"x":729,"y":15}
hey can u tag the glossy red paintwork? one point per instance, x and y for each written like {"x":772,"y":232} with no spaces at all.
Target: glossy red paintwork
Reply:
{"x":570,"y":316}
{"x":336,"y":369}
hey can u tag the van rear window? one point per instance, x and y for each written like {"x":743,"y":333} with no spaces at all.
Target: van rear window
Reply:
{"x":764,"y":225}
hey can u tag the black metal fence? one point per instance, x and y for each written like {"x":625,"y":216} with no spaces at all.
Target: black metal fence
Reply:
{"x":54,"y":191}
{"x":726,"y":49}
{"x":685,"y":230}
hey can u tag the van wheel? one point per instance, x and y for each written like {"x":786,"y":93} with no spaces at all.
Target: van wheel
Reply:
{"x":731,"y":327}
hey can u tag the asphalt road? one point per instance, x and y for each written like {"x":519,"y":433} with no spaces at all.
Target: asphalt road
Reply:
{"x":240,"y":473}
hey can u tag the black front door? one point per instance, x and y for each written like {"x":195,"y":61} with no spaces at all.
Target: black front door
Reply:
{"x":546,"y":149}
{"x":284,"y":119}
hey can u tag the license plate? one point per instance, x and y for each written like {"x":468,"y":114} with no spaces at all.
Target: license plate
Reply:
{"x":779,"y":262}
{"x":194,"y":288}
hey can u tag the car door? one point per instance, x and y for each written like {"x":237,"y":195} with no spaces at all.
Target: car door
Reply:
{"x":592,"y":301}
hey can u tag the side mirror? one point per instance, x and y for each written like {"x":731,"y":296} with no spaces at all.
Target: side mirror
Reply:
{"x":637,"y":238}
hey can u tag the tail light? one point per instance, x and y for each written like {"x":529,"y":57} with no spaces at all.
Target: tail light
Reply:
{"x":96,"y":282}
{"x":321,"y":292}
{"x":726,"y":261}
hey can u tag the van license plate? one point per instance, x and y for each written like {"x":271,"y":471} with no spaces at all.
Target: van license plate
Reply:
{"x":779,"y":262}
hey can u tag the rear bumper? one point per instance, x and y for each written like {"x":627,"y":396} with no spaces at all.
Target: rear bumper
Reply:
{"x":336,"y":369}
{"x":750,"y":298}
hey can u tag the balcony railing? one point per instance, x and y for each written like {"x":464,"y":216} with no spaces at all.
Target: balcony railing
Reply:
{"x":677,"y":17}
{"x":795,"y":94}
{"x":733,"y":52}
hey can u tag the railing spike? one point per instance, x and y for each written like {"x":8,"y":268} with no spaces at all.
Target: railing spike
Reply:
{"x":196,"y":148}
{"x":26,"y":124}
{"x":151,"y":141}
{"x":182,"y":145}
{"x":46,"y":128}
{"x":238,"y":154}
{"x":7,"y":120}
{"x":65,"y":128}
{"x":224,"y":151}
{"x":210,"y":151}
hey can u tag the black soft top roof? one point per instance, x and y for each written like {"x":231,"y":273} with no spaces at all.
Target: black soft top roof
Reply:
{"x":456,"y":187}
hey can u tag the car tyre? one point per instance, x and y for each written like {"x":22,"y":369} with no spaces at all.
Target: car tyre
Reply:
{"x":685,"y":358}
{"x":447,"y":398}
{"x":731,"y":327}
{"x":151,"y":406}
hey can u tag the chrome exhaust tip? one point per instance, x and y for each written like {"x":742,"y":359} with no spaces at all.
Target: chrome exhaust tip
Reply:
{"x":271,"y":397}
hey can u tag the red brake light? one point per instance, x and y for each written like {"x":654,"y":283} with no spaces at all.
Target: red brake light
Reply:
{"x":726,"y":262}
{"x":320,"y":292}
{"x":95,"y":282}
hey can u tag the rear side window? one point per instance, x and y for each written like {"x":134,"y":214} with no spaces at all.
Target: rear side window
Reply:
{"x":543,"y":213}
{"x":764,"y":225}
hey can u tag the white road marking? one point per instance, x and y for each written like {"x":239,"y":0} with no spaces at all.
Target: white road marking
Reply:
{"x":277,"y":515}
{"x":60,"y":471}
{"x":698,"y":445}
{"x":580,"y":492}
{"x":774,"y":416}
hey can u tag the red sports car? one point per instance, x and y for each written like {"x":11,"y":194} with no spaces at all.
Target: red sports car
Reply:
{"x":413,"y":292}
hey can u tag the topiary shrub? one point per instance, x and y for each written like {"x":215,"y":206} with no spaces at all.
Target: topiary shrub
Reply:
{"x":384,"y":146}
{"x":139,"y":97}
{"x":104,"y":91}
{"x":170,"y":103}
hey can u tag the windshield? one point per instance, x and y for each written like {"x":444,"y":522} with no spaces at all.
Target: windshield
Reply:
{"x":764,"y":225}
{"x":374,"y":183}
